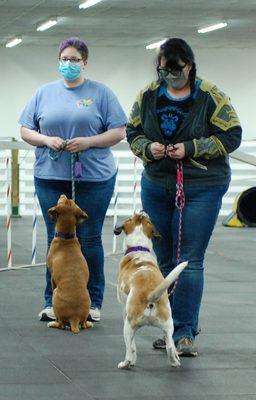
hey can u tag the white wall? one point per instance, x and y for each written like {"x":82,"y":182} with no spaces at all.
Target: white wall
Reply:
{"x":125,"y":71}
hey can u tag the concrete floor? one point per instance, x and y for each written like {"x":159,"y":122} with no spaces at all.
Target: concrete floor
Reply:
{"x":42,"y":364}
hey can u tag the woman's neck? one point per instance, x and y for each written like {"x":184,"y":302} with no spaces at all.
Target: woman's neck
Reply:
{"x":75,"y":83}
{"x":179,"y":93}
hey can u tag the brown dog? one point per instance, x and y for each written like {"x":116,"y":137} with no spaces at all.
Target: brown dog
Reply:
{"x":141,"y":289}
{"x":68,"y":268}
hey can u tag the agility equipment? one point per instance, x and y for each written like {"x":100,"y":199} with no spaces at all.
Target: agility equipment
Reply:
{"x":243,"y":211}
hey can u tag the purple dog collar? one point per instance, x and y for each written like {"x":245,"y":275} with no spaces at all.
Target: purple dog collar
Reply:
{"x":65,"y":235}
{"x":136,"y":248}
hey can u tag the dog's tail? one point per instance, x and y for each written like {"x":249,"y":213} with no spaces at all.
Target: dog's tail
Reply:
{"x":170,"y":278}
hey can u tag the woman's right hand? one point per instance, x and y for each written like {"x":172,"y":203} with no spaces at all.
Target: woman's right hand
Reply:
{"x":54,"y":142}
{"x":157,"y":150}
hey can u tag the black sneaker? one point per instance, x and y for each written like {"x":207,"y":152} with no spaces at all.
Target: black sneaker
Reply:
{"x":159,"y":344}
{"x":185,"y":348}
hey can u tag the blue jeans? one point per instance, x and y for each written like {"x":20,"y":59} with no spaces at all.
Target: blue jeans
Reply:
{"x":94,"y":199}
{"x":199,"y":216}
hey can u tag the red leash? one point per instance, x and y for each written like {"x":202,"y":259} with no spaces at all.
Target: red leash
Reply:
{"x":179,"y":203}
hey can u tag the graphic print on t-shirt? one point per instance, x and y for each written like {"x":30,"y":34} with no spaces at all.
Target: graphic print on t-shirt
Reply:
{"x":84,"y":103}
{"x":171,"y":112}
{"x":170,"y":119}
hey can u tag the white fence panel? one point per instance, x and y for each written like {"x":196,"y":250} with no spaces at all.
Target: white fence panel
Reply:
{"x":243,"y":177}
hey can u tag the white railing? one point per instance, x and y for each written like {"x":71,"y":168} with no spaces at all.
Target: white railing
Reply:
{"x":126,"y":197}
{"x":128,"y":190}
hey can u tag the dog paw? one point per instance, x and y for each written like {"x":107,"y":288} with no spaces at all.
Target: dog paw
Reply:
{"x":126,"y":364}
{"x":175,"y":363}
{"x":87,"y":325}
{"x":56,"y":324}
{"x":174,"y":358}
{"x":76,"y":331}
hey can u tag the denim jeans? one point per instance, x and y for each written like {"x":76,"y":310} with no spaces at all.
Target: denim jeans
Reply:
{"x":94,"y":199}
{"x":199,"y":216}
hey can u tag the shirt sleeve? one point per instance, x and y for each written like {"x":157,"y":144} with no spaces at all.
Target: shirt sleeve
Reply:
{"x":112,"y":112}
{"x":138,"y":142}
{"x":29,"y":118}
{"x":225,"y":132}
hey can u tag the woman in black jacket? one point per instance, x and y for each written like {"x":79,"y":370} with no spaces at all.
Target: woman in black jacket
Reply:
{"x":183,"y":123}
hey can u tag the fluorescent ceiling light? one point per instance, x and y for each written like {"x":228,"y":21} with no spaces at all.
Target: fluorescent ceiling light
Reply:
{"x":212,"y":28}
{"x":155,"y":45}
{"x":47,"y":25}
{"x":89,"y":3}
{"x":13,"y":42}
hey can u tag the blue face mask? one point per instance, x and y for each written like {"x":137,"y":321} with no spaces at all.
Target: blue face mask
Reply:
{"x":70,"y":71}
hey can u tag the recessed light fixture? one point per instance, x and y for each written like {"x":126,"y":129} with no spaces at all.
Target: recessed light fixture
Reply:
{"x":155,"y":45}
{"x":212,"y":27}
{"x":89,"y":3}
{"x":13,"y":42}
{"x":47,"y":25}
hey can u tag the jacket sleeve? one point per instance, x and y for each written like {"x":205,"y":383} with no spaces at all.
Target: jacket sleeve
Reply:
{"x":225,"y":131}
{"x":136,"y":138}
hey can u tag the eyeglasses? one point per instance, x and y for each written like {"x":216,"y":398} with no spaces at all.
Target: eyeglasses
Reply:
{"x":74,"y":60}
{"x":166,"y":71}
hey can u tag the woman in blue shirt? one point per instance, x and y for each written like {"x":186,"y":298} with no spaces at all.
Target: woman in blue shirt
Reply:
{"x":75,"y":119}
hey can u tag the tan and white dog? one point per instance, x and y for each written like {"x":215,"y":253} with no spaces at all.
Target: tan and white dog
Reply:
{"x":141,"y":288}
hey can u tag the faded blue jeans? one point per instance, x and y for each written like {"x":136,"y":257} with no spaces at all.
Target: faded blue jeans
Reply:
{"x":200,"y":213}
{"x":94,"y":199}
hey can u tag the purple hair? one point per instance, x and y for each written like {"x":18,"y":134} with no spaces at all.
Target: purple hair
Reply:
{"x":77,"y":43}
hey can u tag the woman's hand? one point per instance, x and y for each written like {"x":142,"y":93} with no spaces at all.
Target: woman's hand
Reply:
{"x":78,"y":144}
{"x":177,"y":151}
{"x":54,"y":142}
{"x":157,"y":150}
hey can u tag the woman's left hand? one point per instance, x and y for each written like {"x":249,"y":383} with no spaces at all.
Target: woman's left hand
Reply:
{"x":176,"y":151}
{"x":78,"y":144}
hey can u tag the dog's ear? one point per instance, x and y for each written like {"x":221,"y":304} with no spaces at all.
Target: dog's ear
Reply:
{"x":118,"y":229}
{"x":156,"y":235}
{"x":81,"y":217}
{"x":53,"y":214}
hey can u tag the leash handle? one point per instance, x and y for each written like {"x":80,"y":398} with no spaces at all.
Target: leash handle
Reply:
{"x":76,"y":166}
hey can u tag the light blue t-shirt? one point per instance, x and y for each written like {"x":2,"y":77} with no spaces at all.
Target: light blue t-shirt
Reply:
{"x":86,"y":110}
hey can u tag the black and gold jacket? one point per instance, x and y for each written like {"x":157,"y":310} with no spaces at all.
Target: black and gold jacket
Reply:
{"x":210,"y":131}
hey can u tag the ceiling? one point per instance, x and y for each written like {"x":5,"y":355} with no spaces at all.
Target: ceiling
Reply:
{"x":134,"y":23}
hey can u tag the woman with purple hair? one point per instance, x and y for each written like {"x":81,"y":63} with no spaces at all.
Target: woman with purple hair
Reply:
{"x":73,"y":122}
